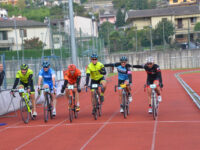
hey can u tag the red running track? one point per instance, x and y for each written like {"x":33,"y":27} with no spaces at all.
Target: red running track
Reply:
{"x":177,"y":127}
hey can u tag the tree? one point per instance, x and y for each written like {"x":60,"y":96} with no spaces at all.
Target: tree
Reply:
{"x":158,"y":32}
{"x":104,"y":32}
{"x":120,"y":19}
{"x":21,"y":4}
{"x":115,"y":41}
{"x":33,"y":43}
{"x":197,"y":26}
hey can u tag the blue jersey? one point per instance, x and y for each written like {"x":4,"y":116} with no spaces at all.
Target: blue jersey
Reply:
{"x":122,"y":73}
{"x":47,"y":76}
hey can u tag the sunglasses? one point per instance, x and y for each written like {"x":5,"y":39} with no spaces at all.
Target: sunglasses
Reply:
{"x":123,"y":62}
{"x":94,"y":59}
{"x":45,"y":67}
{"x":149,"y":63}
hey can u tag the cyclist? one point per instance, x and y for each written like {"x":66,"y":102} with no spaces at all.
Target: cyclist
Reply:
{"x":153,"y":77}
{"x":72,"y":76}
{"x":124,"y":77}
{"x":25,"y":77}
{"x":96,"y":72}
{"x":48,"y":76}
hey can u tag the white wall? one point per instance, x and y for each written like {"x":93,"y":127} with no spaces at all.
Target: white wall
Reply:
{"x":42,"y":33}
{"x":83,"y":23}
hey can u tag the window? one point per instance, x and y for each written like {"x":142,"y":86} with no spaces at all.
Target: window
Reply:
{"x":164,"y":19}
{"x":175,"y":1}
{"x":180,"y":36}
{"x":184,"y":0}
{"x":180,"y":25}
{"x":3,"y":35}
{"x":23,"y":33}
{"x":193,"y":20}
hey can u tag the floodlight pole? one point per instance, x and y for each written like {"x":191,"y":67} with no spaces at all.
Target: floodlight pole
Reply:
{"x":73,"y":44}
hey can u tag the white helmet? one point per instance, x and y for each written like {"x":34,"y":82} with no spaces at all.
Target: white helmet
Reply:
{"x":150,"y":60}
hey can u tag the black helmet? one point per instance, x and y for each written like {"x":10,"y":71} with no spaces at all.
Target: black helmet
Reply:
{"x":45,"y":64}
{"x":94,"y":56}
{"x":123,"y":58}
{"x":24,"y":67}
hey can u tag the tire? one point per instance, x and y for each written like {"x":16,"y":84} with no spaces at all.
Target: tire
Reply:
{"x":49,"y":106}
{"x":96,"y":105}
{"x":70,"y":110}
{"x":99,"y":110}
{"x":24,"y":111}
{"x":46,"y":108}
{"x":124,"y":100}
{"x":154,"y":106}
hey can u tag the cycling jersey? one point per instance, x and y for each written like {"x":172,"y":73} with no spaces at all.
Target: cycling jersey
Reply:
{"x":72,"y":79}
{"x":123,"y":72}
{"x":153,"y":73}
{"x":47,"y":77}
{"x":94,"y":70}
{"x":24,"y":78}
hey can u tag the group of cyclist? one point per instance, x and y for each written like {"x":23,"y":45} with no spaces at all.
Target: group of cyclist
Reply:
{"x":96,"y":71}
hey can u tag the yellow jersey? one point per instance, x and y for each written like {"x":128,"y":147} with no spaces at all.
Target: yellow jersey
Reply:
{"x":24,"y":78}
{"x":93,"y":70}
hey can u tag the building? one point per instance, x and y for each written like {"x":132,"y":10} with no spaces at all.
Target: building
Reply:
{"x":184,"y":19}
{"x":84,"y":26}
{"x":3,"y":13}
{"x":13,"y":2}
{"x":182,"y":2}
{"x":14,"y":32}
{"x":107,"y":16}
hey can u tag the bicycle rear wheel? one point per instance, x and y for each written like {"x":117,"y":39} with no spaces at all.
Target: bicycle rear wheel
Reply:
{"x":124,"y":100}
{"x":99,"y":109}
{"x":24,"y":111}
{"x":46,"y":108}
{"x":70,"y":110}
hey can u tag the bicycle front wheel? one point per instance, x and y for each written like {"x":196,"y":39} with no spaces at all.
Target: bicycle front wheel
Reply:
{"x":70,"y":110}
{"x":154,"y":107}
{"x":124,"y":100}
{"x":46,"y":115}
{"x":24,"y":111}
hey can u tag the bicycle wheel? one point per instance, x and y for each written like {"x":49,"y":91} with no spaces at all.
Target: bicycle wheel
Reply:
{"x":95,"y":106}
{"x":154,"y":105}
{"x":99,"y":109}
{"x":46,"y":108}
{"x":24,"y":111}
{"x":50,"y":106}
{"x":70,"y":110}
{"x":124,"y":100}
{"x":127,"y":108}
{"x":74,"y":106}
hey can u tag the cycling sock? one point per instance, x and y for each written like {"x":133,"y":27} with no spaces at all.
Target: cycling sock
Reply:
{"x":149,"y":105}
{"x":77,"y":104}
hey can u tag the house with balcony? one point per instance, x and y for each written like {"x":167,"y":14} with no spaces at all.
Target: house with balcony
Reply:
{"x":183,"y":18}
{"x":13,"y":2}
{"x":14,"y":32}
{"x":107,"y":16}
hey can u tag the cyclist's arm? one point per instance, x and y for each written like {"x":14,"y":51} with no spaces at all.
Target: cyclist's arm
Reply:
{"x":87,"y":78}
{"x":30,"y":80}
{"x":109,"y":65}
{"x":159,"y":76}
{"x":16,"y":83}
{"x":54,"y":80}
{"x":129,"y":75}
{"x":103,"y":71}
{"x":39,"y":81}
{"x":78,"y":80}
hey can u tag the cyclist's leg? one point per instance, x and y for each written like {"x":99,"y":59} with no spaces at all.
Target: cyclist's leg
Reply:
{"x":92,"y":95}
{"x":77,"y":99}
{"x":158,"y":90}
{"x":103,"y":82}
{"x":120,"y":94}
{"x":32,"y":95}
{"x":149,"y":90}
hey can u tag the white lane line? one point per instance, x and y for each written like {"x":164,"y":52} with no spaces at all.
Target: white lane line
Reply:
{"x":97,"y":132}
{"x":11,"y":126}
{"x":99,"y":123}
{"x":154,"y":135}
{"x":36,"y":137}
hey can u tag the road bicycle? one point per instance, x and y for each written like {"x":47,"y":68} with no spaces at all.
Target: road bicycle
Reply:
{"x":125,"y":101}
{"x":47,"y":104}
{"x":154,"y":101}
{"x":25,"y":105}
{"x":72,"y":103}
{"x":97,"y":106}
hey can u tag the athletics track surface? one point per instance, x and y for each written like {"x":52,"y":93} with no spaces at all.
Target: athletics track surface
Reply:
{"x":177,"y":127}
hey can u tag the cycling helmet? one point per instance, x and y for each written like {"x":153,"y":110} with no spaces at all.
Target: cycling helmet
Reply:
{"x":94,"y":56}
{"x":24,"y":67}
{"x":123,"y":58}
{"x":150,"y":60}
{"x":72,"y":67}
{"x":45,"y":64}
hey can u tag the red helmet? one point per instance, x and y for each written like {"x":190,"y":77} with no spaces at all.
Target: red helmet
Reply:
{"x":71,"y":67}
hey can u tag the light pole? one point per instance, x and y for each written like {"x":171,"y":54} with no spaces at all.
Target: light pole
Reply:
{"x":136,"y":38}
{"x":164,"y":35}
{"x":93,"y":19}
{"x":150,"y":36}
